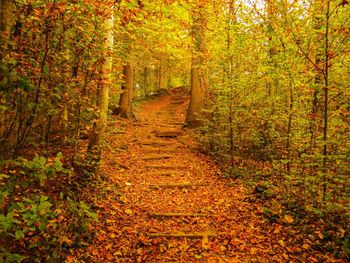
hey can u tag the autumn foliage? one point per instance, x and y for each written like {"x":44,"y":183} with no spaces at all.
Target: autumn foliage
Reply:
{"x":256,"y":93}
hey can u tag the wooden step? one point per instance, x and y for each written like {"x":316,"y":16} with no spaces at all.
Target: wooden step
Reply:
{"x":169,"y":134}
{"x":160,"y":215}
{"x":176,"y":102}
{"x":171,"y":186}
{"x":183,"y":234}
{"x":158,"y":150}
{"x":167,"y":167}
{"x":167,"y":174}
{"x":156,"y":157}
{"x":175,"y":123}
{"x":155,"y":143}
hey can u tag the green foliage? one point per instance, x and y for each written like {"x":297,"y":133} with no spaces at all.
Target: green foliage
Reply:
{"x":35,"y":222}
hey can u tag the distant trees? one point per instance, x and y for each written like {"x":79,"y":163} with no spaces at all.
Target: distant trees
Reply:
{"x":282,"y":98}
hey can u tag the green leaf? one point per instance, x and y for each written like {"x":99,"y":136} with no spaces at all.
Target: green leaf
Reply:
{"x":3,"y":176}
{"x":19,"y":234}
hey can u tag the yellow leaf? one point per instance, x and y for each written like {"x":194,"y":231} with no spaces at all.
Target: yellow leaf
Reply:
{"x":320,"y":235}
{"x":58,"y":211}
{"x":128,"y":212}
{"x":118,"y":253}
{"x":289,"y":219}
{"x":66,"y":240}
{"x":253,"y":251}
{"x":205,"y":242}
{"x":281,"y":242}
{"x":306,"y":246}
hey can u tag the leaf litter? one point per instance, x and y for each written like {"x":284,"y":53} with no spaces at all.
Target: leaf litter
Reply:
{"x":122,"y":233}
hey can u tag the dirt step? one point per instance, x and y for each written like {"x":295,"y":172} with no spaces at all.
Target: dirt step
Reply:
{"x":169,"y":134}
{"x":167,"y":167}
{"x":161,"y":215}
{"x":183,"y":235}
{"x":156,"y":157}
{"x":171,"y":186}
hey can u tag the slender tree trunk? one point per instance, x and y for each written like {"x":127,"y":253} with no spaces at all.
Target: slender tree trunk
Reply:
{"x":96,"y":138}
{"x":145,"y":80}
{"x":231,"y":20}
{"x":6,"y":9}
{"x":126,"y":97}
{"x":325,"y":111}
{"x":318,"y":82}
{"x":290,"y":123}
{"x":161,"y":75}
{"x":199,"y":78}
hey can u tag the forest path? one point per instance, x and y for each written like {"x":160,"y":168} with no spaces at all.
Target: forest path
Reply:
{"x":165,"y":202}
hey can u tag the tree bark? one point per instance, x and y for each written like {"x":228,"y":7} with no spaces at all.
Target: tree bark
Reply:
{"x":145,"y":80}
{"x":96,"y":138}
{"x":199,"y":78}
{"x":126,"y":97}
{"x":6,"y":9}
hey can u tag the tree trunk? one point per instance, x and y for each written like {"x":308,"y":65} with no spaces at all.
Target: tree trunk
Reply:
{"x":126,"y":97}
{"x":145,"y":80}
{"x":325,"y":110}
{"x":96,"y":138}
{"x":6,"y":8}
{"x":199,"y":78}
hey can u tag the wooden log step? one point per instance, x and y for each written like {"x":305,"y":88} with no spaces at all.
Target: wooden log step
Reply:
{"x":171,"y":186}
{"x":156,"y":157}
{"x":167,"y":174}
{"x":158,"y":150}
{"x":183,"y":235}
{"x":177,"y":99}
{"x":175,"y":123}
{"x":179,"y":96}
{"x":155,"y":143}
{"x":168,"y":167}
{"x":176,"y":102}
{"x":151,"y":149}
{"x":168,"y":134}
{"x":160,"y":215}
{"x":170,"y":126}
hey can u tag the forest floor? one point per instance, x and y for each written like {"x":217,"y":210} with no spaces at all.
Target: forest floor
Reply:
{"x":166,"y":202}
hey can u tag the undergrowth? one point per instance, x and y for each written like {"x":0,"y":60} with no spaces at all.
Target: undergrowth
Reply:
{"x":44,"y":210}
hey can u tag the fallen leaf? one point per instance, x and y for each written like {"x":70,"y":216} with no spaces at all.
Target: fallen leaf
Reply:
{"x":281,"y":242}
{"x":109,"y":256}
{"x":289,"y":219}
{"x":128,"y":212}
{"x":205,"y":242}
{"x":277,"y":229}
{"x":306,"y":246}
{"x":313,"y":259}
